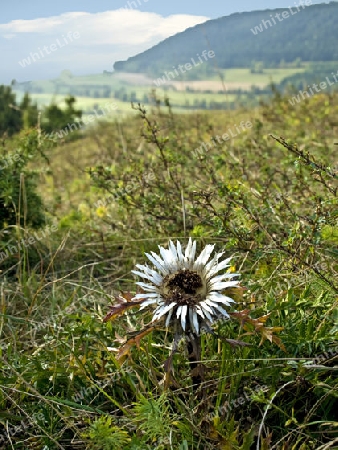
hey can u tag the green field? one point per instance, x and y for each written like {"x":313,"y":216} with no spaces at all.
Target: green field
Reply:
{"x":179,"y":100}
{"x":268,"y":75}
{"x":123,"y":88}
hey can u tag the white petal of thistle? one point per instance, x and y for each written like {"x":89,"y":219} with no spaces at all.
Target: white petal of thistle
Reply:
{"x":191,"y":318}
{"x":143,"y":267}
{"x":188,"y":248}
{"x":157,"y":264}
{"x":193,"y":251}
{"x":158,"y":259}
{"x":168,"y":318}
{"x":200,"y":312}
{"x":195,"y":321}
{"x":149,"y":274}
{"x":179,"y":252}
{"x":167,"y":256}
{"x":173,"y":265}
{"x":146,"y":295}
{"x":224,"y":276}
{"x":203,"y":257}
{"x":223,"y":284}
{"x":158,"y":309}
{"x":217,"y":297}
{"x":162,"y":310}
{"x":207,"y":314}
{"x":223,"y":312}
{"x":140,"y":274}
{"x":146,"y":287}
{"x":151,"y":301}
{"x":213,"y":262}
{"x":190,"y":252}
{"x":220,"y":266}
{"x":183,"y":316}
{"x":157,"y":278}
{"x":178,"y":312}
{"x":204,"y":306}
{"x":173,"y":249}
{"x":210,"y":303}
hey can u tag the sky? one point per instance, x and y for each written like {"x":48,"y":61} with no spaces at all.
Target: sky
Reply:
{"x":39,"y":39}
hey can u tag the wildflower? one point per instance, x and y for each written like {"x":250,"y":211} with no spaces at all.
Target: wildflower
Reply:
{"x":101,"y":211}
{"x":187,"y":292}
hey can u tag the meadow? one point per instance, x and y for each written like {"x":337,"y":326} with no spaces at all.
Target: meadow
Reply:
{"x":184,"y":94}
{"x":266,"y":378}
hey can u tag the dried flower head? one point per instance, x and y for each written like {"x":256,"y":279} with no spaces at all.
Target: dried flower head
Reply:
{"x":187,"y":292}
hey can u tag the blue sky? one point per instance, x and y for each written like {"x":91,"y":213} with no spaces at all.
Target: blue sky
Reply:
{"x":39,"y":39}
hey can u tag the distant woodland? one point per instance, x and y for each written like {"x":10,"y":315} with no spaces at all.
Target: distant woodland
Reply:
{"x":244,"y":39}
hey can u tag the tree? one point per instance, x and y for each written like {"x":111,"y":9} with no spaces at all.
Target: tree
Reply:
{"x":10,"y":113}
{"x":257,"y":67}
{"x":56,"y":118}
{"x":13,"y":115}
{"x":297,"y":62}
{"x":29,"y":111}
{"x":20,"y":204}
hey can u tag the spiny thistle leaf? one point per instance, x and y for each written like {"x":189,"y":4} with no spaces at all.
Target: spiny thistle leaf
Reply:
{"x":125,"y":349}
{"x":267,"y":333}
{"x":236,"y":343}
{"x":244,"y":318}
{"x":124,"y":302}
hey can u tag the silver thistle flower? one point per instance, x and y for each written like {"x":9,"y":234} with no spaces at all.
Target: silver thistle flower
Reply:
{"x":186,"y":291}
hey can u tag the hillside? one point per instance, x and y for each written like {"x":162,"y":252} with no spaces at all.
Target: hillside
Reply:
{"x":307,"y":33}
{"x":95,"y":206}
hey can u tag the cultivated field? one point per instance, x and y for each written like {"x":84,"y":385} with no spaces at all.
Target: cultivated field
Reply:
{"x":126,"y":87}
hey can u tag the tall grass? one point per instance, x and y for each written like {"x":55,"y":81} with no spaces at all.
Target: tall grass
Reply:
{"x":272,"y":202}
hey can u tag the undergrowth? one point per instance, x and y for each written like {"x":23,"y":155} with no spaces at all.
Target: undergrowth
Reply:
{"x":268,"y":196}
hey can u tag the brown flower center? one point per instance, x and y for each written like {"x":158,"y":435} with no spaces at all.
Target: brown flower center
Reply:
{"x":183,"y":287}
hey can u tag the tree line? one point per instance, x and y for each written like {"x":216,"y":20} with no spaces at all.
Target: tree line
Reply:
{"x":17,"y":115}
{"x":310,"y":35}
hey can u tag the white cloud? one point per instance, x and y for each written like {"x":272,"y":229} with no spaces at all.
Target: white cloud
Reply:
{"x":110,"y":27}
{"x":40,"y":25}
{"x":104,"y":38}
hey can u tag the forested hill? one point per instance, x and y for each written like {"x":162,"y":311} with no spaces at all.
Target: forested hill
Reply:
{"x":306,"y":32}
